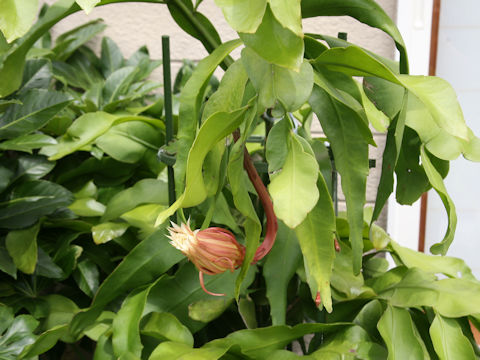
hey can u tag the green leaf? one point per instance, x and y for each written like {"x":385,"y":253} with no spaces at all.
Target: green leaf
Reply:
{"x":22,"y":247}
{"x":87,"y":5}
{"x":37,"y":74}
{"x":316,"y":235}
{"x":272,"y":82}
{"x":105,"y":232}
{"x":174,"y":294}
{"x":111,"y":56}
{"x":7,"y":266}
{"x":389,"y":159}
{"x":70,"y":41}
{"x":143,"y":192}
{"x":46,"y":267}
{"x":18,"y":336}
{"x":288,"y":13}
{"x":450,"y":297}
{"x":437,"y":182}
{"x":449,"y":341}
{"x":117,"y":83}
{"x":27,"y":143}
{"x":400,"y":335}
{"x":243,"y":16}
{"x":350,"y":150}
{"x":215,"y":128}
{"x":17,"y":17}
{"x":104,"y":348}
{"x":44,"y":342}
{"x":447,"y":265}
{"x":145,"y":263}
{"x":208,"y":310}
{"x":176,"y":351}
{"x":87,"y":207}
{"x":82,"y":132}
{"x":31,"y":200}
{"x":128,"y":142}
{"x":87,"y":277}
{"x":366,"y":11}
{"x":275,"y":43}
{"x":279,"y":269}
{"x":126,"y":325}
{"x":165,"y":326}
{"x":191,"y":99}
{"x":293,"y":189}
{"x":38,"y":107}
{"x":276,"y":147}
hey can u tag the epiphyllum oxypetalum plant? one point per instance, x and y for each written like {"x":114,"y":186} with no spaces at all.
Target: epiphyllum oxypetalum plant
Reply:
{"x":215,"y":250}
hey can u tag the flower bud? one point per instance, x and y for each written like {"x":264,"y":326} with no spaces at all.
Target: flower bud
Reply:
{"x":213,"y":250}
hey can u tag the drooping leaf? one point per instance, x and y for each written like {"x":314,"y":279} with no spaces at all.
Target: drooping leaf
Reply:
{"x":275,"y":43}
{"x":243,"y":16}
{"x":315,"y":235}
{"x":366,"y":11}
{"x":190,"y":104}
{"x":31,"y":200}
{"x":449,"y":341}
{"x":22,"y":247}
{"x":437,"y":183}
{"x":27,"y":143}
{"x":17,"y":17}
{"x":38,"y":107}
{"x":275,"y":83}
{"x":400,"y":335}
{"x":350,"y":151}
{"x":279,"y":269}
{"x":165,"y":326}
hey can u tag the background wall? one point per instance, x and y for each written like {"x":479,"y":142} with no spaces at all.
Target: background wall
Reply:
{"x":132,"y":25}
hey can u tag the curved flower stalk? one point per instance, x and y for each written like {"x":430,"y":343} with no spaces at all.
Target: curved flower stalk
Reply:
{"x":213,"y":250}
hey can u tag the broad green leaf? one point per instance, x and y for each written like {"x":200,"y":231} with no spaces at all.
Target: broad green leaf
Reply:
{"x":208,"y":310}
{"x":259,"y":343}
{"x":60,"y":310}
{"x":316,"y":235}
{"x":215,"y":128}
{"x":128,"y":142}
{"x":38,"y":107}
{"x":437,"y":183}
{"x":165,"y":326}
{"x":294,"y":188}
{"x":37,"y":75}
{"x":177,"y":351}
{"x":82,"y":132}
{"x":174,"y":294}
{"x":279,"y":269}
{"x":244,"y":15}
{"x":369,"y":316}
{"x":126,"y":325}
{"x":107,"y":231}
{"x":366,"y":11}
{"x":79,"y":72}
{"x":289,"y":14}
{"x":275,"y":43}
{"x":275,"y":83}
{"x":276,"y":148}
{"x":191,"y":99}
{"x":247,"y":311}
{"x":87,"y":207}
{"x":389,"y":159}
{"x":350,"y":150}
{"x":46,"y":267}
{"x":70,"y":41}
{"x":7,"y":266}
{"x":87,"y":5}
{"x":17,"y":17}
{"x":144,"y":217}
{"x":378,"y":119}
{"x":145,"y":263}
{"x":111,"y":55}
{"x":400,"y":335}
{"x":449,"y":340}
{"x":27,"y":143}
{"x":31,"y":200}
{"x":87,"y":277}
{"x":44,"y":342}
{"x":22,"y":247}
{"x":450,"y":266}
{"x":6,"y":317}
{"x":143,"y":192}
{"x":33,"y":167}
{"x":449,"y":297}
{"x":19,"y":335}
{"x":104,"y":348}
{"x":11,"y":68}
{"x":117,"y":83}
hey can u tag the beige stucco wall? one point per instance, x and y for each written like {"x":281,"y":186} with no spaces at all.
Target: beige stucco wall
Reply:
{"x":132,"y":25}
